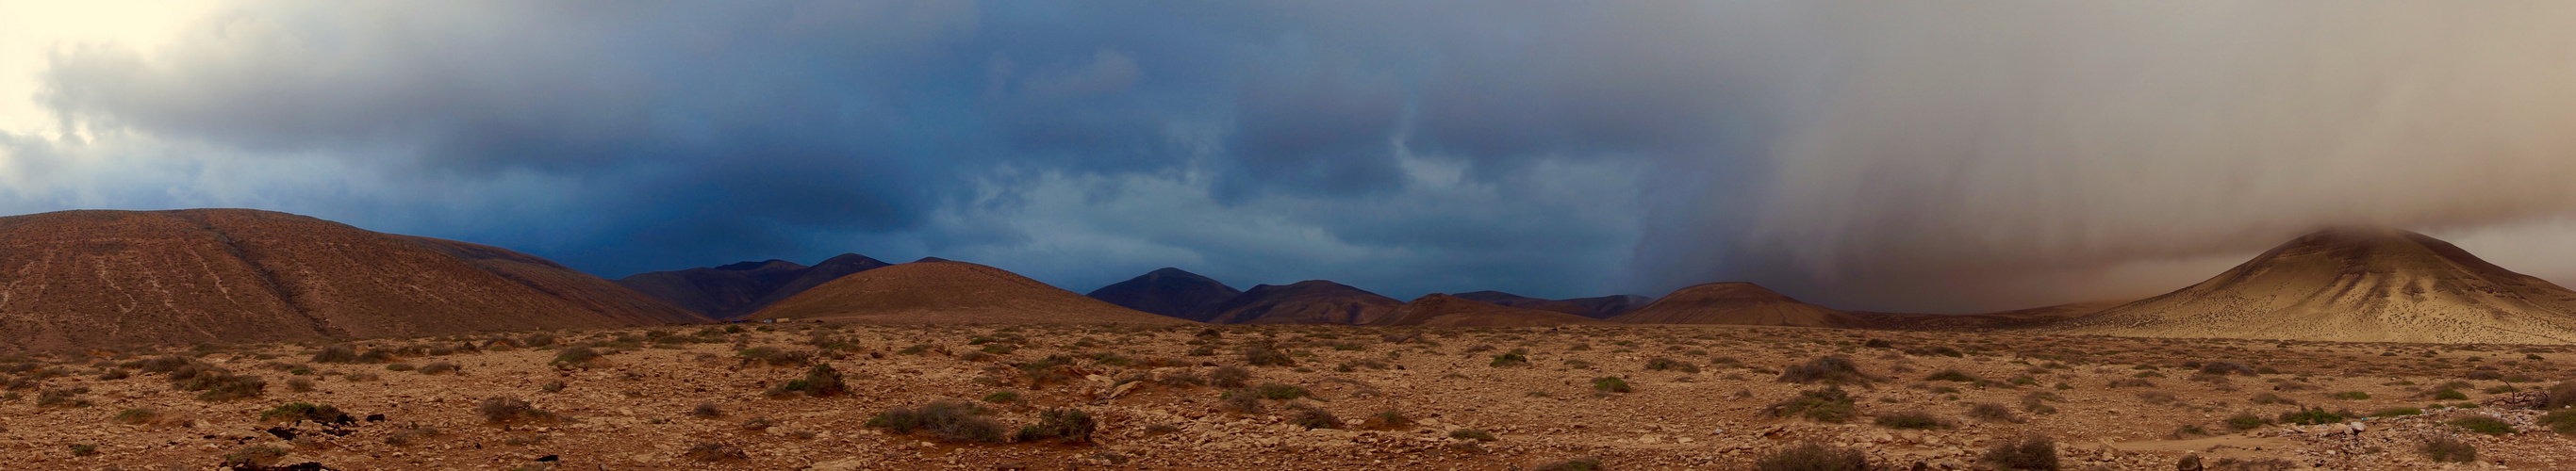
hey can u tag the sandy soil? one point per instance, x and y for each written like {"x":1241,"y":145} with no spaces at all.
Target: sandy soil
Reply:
{"x":632,"y":409}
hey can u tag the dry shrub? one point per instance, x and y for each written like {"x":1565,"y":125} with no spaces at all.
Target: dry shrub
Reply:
{"x":1813,"y":456}
{"x":501,"y":410}
{"x":948,"y":420}
{"x":2031,"y":452}
{"x":1828,"y":370}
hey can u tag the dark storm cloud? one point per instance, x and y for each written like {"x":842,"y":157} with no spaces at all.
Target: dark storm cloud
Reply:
{"x":1867,"y":155}
{"x":622,"y":137}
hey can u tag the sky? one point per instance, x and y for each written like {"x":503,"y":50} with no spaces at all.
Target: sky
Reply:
{"x":1892,"y":156}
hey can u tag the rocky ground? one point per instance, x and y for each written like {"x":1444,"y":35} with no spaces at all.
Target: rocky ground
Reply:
{"x":1410,"y":398}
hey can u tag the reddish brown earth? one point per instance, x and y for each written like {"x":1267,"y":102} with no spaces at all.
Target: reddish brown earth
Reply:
{"x":87,"y":279}
{"x":2361,"y":285}
{"x":1707,"y":406}
{"x":944,"y":292}
{"x":1441,"y":310}
{"x":737,"y":290}
{"x":1739,"y":304}
{"x":1305,"y":302}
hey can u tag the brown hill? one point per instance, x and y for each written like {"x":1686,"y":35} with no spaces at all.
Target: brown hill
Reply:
{"x":735,"y":290}
{"x":1441,"y":310}
{"x":1599,"y":307}
{"x":2354,"y":285}
{"x":1739,"y":304}
{"x":1168,"y":291}
{"x":1305,"y":302}
{"x":2013,"y":319}
{"x":943,"y":292}
{"x":79,"y":279}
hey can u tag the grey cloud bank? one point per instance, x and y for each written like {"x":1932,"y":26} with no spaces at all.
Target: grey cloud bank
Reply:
{"x":1867,"y":155}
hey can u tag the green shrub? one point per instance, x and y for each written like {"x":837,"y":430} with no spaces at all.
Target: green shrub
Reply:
{"x":1064,"y":425}
{"x":1831,"y":404}
{"x":1952,"y":376}
{"x":2439,"y":395}
{"x":1813,"y":456}
{"x":2562,"y":421}
{"x":1507,"y":360}
{"x":1662,"y":364}
{"x":1002,"y":397}
{"x":1992,"y":412}
{"x":1265,"y":355}
{"x":2358,"y":395}
{"x":1472,"y":434}
{"x":2245,"y":421}
{"x":439,"y":367}
{"x":253,"y":456}
{"x":2482,"y":424}
{"x":2397,"y":411}
{"x":1610,"y":384}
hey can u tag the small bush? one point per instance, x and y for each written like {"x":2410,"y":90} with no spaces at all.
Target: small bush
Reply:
{"x":1951,"y":376}
{"x":2246,"y":421}
{"x":253,"y":456}
{"x":407,"y":435}
{"x":137,"y":416}
{"x":1992,"y":412}
{"x":1065,"y":425}
{"x":1823,"y":405}
{"x":1577,"y":464}
{"x":1273,"y":391}
{"x":2358,"y":395}
{"x":706,"y":410}
{"x":401,"y":367}
{"x":218,"y":385}
{"x":1663,"y":364}
{"x":551,"y":387}
{"x":2032,"y":452}
{"x":1312,"y":417}
{"x":1472,"y":434}
{"x":2562,"y":421}
{"x":1002,"y":397}
{"x":295,"y":411}
{"x":2397,"y":412}
{"x":62,"y":397}
{"x":1610,"y":384}
{"x":1508,"y":360}
{"x":2561,"y":395}
{"x":575,"y":357}
{"x":2482,"y":424}
{"x":1912,"y":420}
{"x":1264,"y":355}
{"x":342,"y":353}
{"x":2269,"y":399}
{"x":948,"y":420}
{"x":501,"y":410}
{"x":300,"y":385}
{"x":1229,"y":377}
{"x":1813,"y":456}
{"x":2132,"y":383}
{"x":2311,"y":416}
{"x":714,"y":453}
{"x":2449,"y":450}
{"x":439,"y":367}
{"x":2439,"y":395}
{"x":1389,"y":420}
{"x":1827,"y":370}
